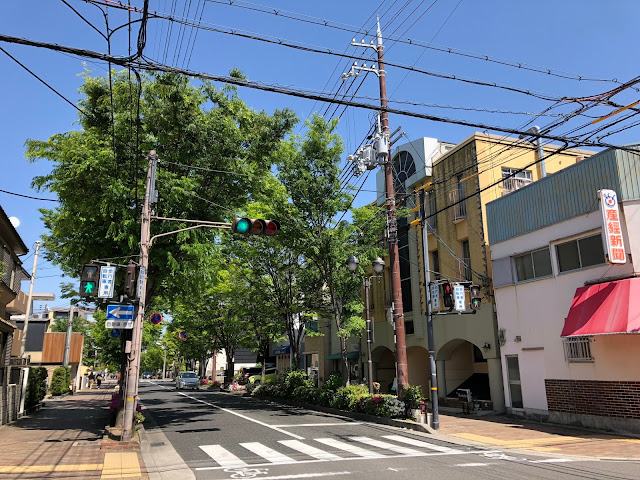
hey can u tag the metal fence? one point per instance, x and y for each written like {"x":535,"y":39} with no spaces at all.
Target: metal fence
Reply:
{"x":459,"y":210}
{"x":577,"y":349}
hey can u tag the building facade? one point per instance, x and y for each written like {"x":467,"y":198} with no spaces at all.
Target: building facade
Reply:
{"x":459,"y":181}
{"x":568,"y":320}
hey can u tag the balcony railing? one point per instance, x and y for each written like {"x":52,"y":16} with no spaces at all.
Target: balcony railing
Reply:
{"x":459,"y":209}
{"x":513,"y":183}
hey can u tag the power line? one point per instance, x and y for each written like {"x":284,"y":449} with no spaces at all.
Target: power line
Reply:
{"x":29,"y":196}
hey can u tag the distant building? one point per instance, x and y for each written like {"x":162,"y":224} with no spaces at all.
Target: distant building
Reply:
{"x":568,"y":321}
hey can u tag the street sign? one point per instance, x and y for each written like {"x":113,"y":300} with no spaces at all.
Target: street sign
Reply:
{"x":435,"y":296}
{"x":116,"y":332}
{"x":107,"y":279}
{"x":155,"y":319}
{"x":458,"y":296}
{"x":143,"y":272}
{"x":182,"y":335}
{"x":119,"y":324}
{"x":611,"y":229}
{"x":118,"y":311}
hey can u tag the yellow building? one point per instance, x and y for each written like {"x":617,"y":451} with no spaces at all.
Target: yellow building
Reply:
{"x":467,"y":346}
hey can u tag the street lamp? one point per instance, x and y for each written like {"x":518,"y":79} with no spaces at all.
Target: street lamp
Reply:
{"x":378,"y":268}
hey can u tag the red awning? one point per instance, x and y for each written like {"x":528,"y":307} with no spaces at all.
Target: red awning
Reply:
{"x":605,"y":308}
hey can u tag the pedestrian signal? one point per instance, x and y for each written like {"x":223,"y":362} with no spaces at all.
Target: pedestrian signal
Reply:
{"x":89,"y":280}
{"x":475,"y":297}
{"x":447,"y":295}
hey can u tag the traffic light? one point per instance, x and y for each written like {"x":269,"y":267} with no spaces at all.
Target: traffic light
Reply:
{"x":89,"y":280}
{"x":130,"y":281}
{"x":447,"y":295}
{"x":251,"y":226}
{"x":475,"y":297}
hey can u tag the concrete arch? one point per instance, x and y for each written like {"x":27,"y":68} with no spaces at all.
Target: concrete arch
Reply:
{"x":446,"y":350}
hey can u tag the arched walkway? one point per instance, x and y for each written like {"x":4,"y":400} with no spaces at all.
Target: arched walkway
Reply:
{"x":418,"y":363}
{"x":384,"y":367}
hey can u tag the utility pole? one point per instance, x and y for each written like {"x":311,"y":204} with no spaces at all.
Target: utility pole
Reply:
{"x":367,"y":286}
{"x":133,"y":370}
{"x":23,"y":343}
{"x":67,"y":340}
{"x":435,"y":419}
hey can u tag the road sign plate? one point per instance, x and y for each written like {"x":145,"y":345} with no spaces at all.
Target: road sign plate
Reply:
{"x":156,"y":318}
{"x":122,"y":324}
{"x":118,"y":311}
{"x":458,"y":295}
{"x":107,"y":279}
{"x":116,"y":332}
{"x":141,"y":281}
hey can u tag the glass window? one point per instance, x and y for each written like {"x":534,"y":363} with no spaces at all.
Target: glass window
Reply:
{"x":534,"y":264}
{"x":466,"y":258}
{"x":513,"y":376}
{"x":580,"y":253}
{"x":435,"y":264}
{"x":405,"y":264}
{"x":431,"y":196}
{"x":518,"y":174}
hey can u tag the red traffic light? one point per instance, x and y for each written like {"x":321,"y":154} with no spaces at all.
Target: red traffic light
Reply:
{"x":447,"y":295}
{"x":255,"y":226}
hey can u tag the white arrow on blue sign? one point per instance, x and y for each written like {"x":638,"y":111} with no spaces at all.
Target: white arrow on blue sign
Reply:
{"x":120,"y":312}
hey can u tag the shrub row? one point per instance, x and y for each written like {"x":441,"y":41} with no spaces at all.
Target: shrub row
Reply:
{"x":356,"y":398}
{"x":36,"y":386}
{"x":60,"y":381}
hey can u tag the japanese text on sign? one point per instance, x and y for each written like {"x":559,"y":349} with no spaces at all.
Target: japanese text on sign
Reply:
{"x":611,"y":228}
{"x":458,"y":295}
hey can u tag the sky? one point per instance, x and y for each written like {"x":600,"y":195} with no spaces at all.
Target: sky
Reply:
{"x":588,"y":39}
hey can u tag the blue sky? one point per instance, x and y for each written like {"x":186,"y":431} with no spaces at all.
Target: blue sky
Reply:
{"x":590,"y":38}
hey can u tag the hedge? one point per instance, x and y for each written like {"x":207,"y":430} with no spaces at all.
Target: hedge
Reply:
{"x":36,"y":386}
{"x":60,"y":381}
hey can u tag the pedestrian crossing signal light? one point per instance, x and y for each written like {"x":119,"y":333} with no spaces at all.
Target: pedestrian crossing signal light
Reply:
{"x":447,"y":295}
{"x":130,"y":280}
{"x":251,"y":226}
{"x":475,"y":297}
{"x":89,"y":280}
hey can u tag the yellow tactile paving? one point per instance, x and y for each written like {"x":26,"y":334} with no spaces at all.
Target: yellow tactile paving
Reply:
{"x":523,"y":443}
{"x":121,"y":465}
{"x":51,"y":468}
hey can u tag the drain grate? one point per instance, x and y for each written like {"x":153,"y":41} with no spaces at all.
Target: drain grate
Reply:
{"x":86,"y":443}
{"x":157,"y":444}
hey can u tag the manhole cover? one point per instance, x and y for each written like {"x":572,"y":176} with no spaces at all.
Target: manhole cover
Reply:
{"x":157,"y":444}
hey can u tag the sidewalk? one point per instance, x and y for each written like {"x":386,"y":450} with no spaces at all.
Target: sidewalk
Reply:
{"x":509,"y":433}
{"x":65,"y":440}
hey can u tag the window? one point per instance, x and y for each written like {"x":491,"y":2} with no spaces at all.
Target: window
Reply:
{"x":431,"y":200}
{"x":534,"y":264}
{"x":580,"y":253}
{"x":466,"y":258}
{"x":526,"y":174}
{"x":513,"y":376}
{"x":435,"y":264}
{"x":405,"y":264}
{"x":577,"y":349}
{"x":408,"y":328}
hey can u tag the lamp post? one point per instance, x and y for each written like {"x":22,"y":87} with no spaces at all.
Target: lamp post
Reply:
{"x":378,"y":267}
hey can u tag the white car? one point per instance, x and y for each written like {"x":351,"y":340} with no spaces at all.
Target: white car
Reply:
{"x":188,"y":380}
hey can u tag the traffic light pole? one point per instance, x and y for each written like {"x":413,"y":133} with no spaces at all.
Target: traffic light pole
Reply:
{"x":133,"y":368}
{"x":435,"y":418}
{"x":396,"y":285}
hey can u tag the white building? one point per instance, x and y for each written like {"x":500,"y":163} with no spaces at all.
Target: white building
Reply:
{"x":568,"y":320}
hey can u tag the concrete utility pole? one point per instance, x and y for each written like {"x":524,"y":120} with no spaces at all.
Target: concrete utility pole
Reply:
{"x":435,"y":418}
{"x":398,"y":314}
{"x":23,"y":343}
{"x":133,"y":370}
{"x":67,"y":340}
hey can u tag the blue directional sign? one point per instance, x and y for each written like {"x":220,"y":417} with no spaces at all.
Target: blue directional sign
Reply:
{"x":116,"y":332}
{"x":120,"y":312}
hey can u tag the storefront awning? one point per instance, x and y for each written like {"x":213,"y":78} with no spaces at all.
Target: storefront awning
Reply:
{"x":336,"y":356}
{"x":604,"y":309}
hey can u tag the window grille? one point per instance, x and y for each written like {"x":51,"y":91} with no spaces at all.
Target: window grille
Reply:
{"x":459,"y":209}
{"x":577,"y":349}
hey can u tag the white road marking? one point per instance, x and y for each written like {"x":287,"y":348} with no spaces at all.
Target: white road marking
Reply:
{"x":386,"y":445}
{"x":309,"y":450}
{"x":420,"y":443}
{"x":306,"y":475}
{"x":341,"y":424}
{"x":349,"y":448}
{"x":555,"y":460}
{"x":473,"y":464}
{"x":269,"y":454}
{"x":222,"y":456}
{"x":298,"y":437}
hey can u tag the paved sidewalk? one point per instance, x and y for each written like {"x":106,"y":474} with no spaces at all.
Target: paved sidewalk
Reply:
{"x":509,"y":433}
{"x":65,"y":440}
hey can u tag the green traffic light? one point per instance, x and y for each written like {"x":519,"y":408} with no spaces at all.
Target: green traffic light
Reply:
{"x":88,"y":288}
{"x":242,"y":226}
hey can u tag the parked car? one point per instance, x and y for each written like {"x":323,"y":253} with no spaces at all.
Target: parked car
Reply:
{"x":147,"y":375}
{"x":188,"y":380}
{"x":246,"y":372}
{"x":270,"y":376}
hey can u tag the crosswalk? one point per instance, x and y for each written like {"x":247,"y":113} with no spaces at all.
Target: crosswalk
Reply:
{"x":322,"y":449}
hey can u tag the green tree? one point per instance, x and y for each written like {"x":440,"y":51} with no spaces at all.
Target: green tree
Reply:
{"x":309,"y":170}
{"x":98,"y":173}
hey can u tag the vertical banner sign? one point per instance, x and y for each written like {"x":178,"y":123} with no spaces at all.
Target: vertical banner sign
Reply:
{"x":435,"y":297}
{"x":611,"y":228}
{"x":107,"y":277}
{"x":143,"y":272}
{"x":458,"y":296}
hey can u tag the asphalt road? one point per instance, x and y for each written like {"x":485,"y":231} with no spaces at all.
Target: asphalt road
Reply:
{"x":222,"y":436}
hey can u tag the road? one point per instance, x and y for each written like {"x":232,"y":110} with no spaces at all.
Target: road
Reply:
{"x":223,"y":435}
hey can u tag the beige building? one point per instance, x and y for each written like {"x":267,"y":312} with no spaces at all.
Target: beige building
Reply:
{"x":467,"y":347}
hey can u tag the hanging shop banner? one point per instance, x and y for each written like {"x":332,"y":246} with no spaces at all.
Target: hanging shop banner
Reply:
{"x":611,"y":227}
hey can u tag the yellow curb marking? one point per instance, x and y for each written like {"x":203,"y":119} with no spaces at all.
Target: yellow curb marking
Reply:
{"x":120,"y":465}
{"x":631,"y":440}
{"x":524,"y":443}
{"x":51,"y":468}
